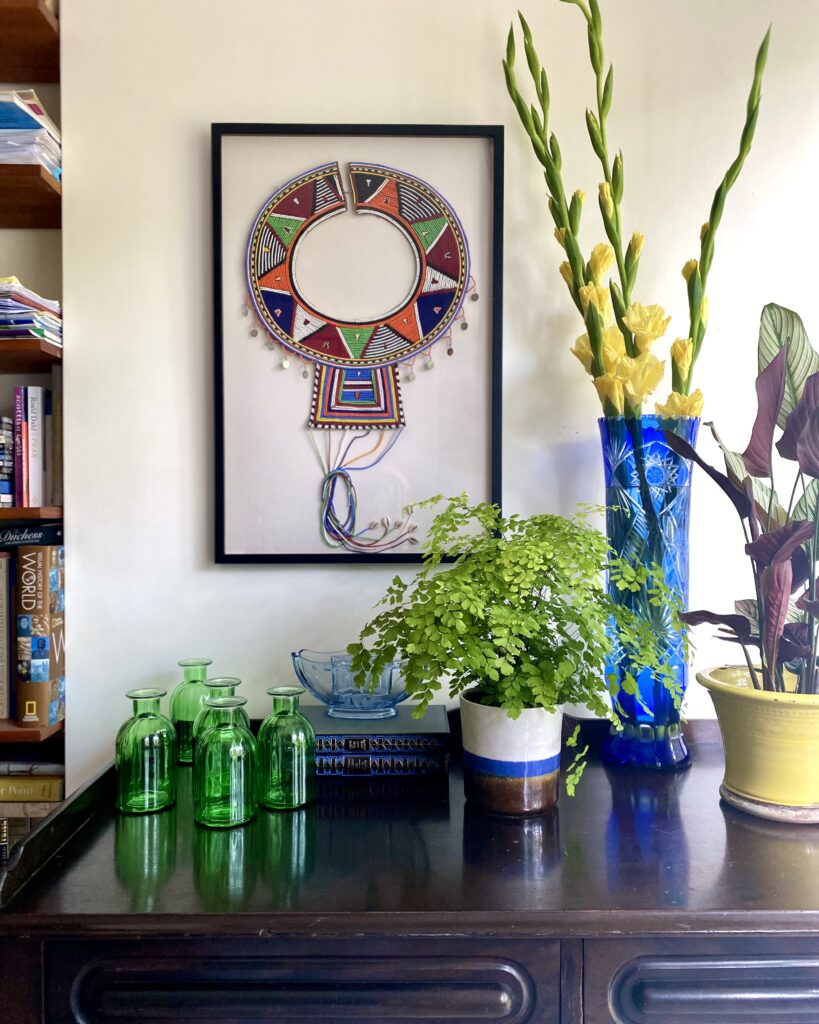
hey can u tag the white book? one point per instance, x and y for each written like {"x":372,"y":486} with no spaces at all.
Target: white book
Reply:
{"x":56,"y":497}
{"x":36,"y":447}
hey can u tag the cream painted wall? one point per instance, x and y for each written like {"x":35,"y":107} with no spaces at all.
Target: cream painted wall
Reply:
{"x":142,"y":83}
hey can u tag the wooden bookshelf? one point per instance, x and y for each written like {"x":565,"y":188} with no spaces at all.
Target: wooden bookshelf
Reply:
{"x":11,"y":732}
{"x":29,"y":42}
{"x":27,"y":515}
{"x":29,"y":196}
{"x":28,"y":355}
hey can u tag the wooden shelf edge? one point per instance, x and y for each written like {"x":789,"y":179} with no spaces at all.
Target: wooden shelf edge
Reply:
{"x":28,"y":355}
{"x":31,"y":42}
{"x":27,"y":515}
{"x":11,"y":732}
{"x":30,"y":197}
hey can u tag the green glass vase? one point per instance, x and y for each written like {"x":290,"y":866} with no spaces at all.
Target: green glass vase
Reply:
{"x":145,"y":757}
{"x":224,"y":774}
{"x":218,"y":686}
{"x":187,"y":700}
{"x":287,"y":753}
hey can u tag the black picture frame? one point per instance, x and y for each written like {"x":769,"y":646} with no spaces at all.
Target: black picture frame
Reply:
{"x":219,"y":131}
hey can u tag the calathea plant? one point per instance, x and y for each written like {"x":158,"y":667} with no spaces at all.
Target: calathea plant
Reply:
{"x":781,"y":621}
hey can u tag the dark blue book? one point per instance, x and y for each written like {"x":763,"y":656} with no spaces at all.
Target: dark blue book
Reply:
{"x":402,"y":734}
{"x":358,"y":765}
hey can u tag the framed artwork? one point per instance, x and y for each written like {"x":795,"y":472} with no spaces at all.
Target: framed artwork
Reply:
{"x":357,"y":316}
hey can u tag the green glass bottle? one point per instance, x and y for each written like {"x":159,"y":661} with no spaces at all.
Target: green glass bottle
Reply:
{"x":186,"y":702}
{"x":217,"y":686}
{"x":287,"y":753}
{"x":145,"y":757}
{"x":224,"y":775}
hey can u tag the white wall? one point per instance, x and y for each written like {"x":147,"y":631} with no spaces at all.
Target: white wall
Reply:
{"x":141,"y":84}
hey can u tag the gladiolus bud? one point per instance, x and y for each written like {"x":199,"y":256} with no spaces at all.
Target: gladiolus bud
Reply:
{"x":703,"y":229}
{"x":610,"y":392}
{"x":682,"y":354}
{"x":636,"y":244}
{"x":601,"y":261}
{"x":560,"y":235}
{"x":704,"y":311}
{"x":606,"y":201}
{"x":566,"y":274}
{"x":680,"y":406}
{"x":580,"y":195}
{"x":689,"y":269}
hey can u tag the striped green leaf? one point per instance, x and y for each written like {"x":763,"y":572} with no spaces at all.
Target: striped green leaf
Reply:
{"x":782,"y":328}
{"x":764,"y":499}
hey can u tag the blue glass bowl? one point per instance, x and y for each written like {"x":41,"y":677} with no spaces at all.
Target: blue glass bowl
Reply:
{"x":329,"y":677}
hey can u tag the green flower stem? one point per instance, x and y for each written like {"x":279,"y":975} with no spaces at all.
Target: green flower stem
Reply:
{"x":695,"y":294}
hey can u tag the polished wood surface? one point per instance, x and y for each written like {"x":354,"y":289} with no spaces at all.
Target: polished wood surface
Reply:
{"x":641,"y":852}
{"x":28,"y":355}
{"x":643,"y":900}
{"x":29,"y":42}
{"x":30,"y":197}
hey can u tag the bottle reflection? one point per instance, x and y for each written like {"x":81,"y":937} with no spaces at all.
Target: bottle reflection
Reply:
{"x":287,"y":849}
{"x":646,"y":844}
{"x":225,"y":864}
{"x":145,"y":856}
{"x":523,"y":848}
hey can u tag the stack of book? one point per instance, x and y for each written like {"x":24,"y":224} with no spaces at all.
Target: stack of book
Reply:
{"x":37,"y":434}
{"x":27,"y":133}
{"x":399,"y":746}
{"x":25,"y":314}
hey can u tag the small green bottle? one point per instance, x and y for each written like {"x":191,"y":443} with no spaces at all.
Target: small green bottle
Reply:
{"x":287,"y":753}
{"x":224,"y":775}
{"x":217,"y":686}
{"x":186,"y":702}
{"x":145,"y":757}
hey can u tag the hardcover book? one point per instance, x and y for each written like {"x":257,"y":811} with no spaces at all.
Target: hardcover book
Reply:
{"x":40,"y":635}
{"x":381,"y":764}
{"x":5,"y":635}
{"x":401,"y":734}
{"x":20,"y":789}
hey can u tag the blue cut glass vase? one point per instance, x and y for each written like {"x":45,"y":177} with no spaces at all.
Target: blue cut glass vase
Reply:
{"x":648,"y":498}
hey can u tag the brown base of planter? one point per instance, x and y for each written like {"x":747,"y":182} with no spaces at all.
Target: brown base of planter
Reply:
{"x":503,"y":794}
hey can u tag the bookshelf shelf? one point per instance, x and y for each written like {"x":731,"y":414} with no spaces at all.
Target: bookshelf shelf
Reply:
{"x":26,"y":515}
{"x":28,"y":355}
{"x":30,"y":50}
{"x":30,"y":197}
{"x":11,"y":732}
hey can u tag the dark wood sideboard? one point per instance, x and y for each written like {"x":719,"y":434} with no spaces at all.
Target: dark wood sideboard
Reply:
{"x":643,"y":901}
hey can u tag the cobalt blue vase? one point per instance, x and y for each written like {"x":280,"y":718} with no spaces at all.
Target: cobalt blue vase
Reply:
{"x":648,"y":498}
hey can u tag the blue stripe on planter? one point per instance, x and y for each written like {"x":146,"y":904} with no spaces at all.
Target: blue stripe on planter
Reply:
{"x":511,"y":769}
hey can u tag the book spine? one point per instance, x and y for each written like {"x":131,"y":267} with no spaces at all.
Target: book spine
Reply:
{"x":31,"y":768}
{"x":5,"y":636}
{"x":35,"y":447}
{"x":419,"y":743}
{"x":4,"y":840}
{"x":42,"y":787}
{"x":57,"y":416}
{"x":40,"y":635}
{"x":19,"y":407}
{"x":48,"y":449}
{"x":24,"y":447}
{"x":18,"y":536}
{"x":379,"y":764}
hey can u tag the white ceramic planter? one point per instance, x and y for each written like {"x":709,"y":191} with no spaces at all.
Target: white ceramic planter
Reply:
{"x":511,"y":765}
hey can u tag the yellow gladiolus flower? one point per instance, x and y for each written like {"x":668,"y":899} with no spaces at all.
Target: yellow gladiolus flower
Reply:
{"x":560,"y":235}
{"x":582,"y":350}
{"x":606,"y":200}
{"x":689,"y":269}
{"x":600,"y":297}
{"x":566,"y":274}
{"x":601,"y":261}
{"x":610,"y":392}
{"x":682,"y":353}
{"x":640,"y":376}
{"x":646,"y":323}
{"x":638,"y":240}
{"x":680,"y":406}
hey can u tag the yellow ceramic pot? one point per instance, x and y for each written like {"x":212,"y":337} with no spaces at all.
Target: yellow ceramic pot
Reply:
{"x":771,"y":745}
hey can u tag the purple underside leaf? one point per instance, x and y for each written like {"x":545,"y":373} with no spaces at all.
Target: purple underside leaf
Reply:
{"x":775,"y":584}
{"x":797,"y":632}
{"x":740,"y":501}
{"x":807,"y":446}
{"x":770,"y":389}
{"x":796,"y":422}
{"x":738,"y":623}
{"x":806,"y":604}
{"x":801,"y":568}
{"x":780,"y":545}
